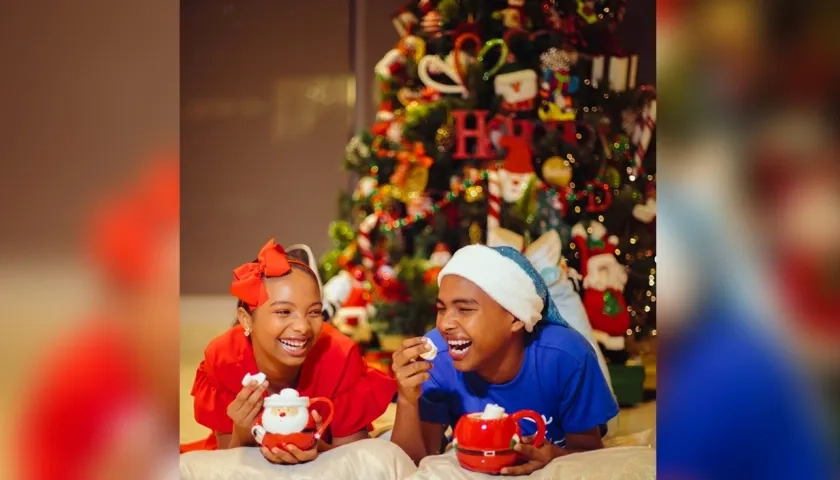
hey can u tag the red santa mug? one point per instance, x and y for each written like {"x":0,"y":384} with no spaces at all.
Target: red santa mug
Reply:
{"x":484,"y":441}
{"x":286,"y":420}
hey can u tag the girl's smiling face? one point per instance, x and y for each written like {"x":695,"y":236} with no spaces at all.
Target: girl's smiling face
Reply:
{"x":286,"y":326}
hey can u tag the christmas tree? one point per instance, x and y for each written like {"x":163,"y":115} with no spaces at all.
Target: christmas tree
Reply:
{"x":513,"y":122}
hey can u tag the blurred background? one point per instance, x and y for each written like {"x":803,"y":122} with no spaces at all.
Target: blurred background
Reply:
{"x":90,"y":95}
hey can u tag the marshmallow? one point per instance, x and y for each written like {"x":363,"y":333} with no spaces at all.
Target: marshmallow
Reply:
{"x":432,"y":353}
{"x":492,"y":412}
{"x":259,"y":377}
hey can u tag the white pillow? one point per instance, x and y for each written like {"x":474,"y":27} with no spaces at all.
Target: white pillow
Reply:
{"x":370,"y":459}
{"x":625,"y":463}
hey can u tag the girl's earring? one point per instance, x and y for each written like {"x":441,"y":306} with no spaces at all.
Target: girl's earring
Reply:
{"x":247,"y":331}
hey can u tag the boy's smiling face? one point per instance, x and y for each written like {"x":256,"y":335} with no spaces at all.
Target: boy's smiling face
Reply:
{"x":474,"y":325}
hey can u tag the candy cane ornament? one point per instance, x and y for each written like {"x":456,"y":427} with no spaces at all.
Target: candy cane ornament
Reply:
{"x":364,"y":243}
{"x":494,"y":200}
{"x":643,"y":134}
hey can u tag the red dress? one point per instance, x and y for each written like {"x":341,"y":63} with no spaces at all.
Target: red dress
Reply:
{"x":333,"y":369}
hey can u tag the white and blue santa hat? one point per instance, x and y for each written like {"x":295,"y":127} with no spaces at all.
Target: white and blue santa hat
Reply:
{"x":508,"y":277}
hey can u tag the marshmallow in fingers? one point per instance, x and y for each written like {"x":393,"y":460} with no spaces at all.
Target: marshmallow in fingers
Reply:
{"x":432,"y":353}
{"x":258,"y":377}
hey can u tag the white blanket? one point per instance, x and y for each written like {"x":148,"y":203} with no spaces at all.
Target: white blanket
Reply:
{"x":619,"y":463}
{"x":377,"y":459}
{"x":372,"y":459}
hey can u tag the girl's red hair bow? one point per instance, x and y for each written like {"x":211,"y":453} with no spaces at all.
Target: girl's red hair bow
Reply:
{"x":247,"y":282}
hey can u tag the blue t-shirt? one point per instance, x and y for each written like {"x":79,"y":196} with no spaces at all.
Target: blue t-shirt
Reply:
{"x":732,"y":406}
{"x":560,"y":379}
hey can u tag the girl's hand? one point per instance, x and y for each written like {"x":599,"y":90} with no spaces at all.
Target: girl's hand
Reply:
{"x":243,"y":410}
{"x":292,"y":454}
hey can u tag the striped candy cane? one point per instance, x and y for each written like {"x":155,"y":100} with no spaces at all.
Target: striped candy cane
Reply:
{"x":643,"y":134}
{"x":494,"y":200}
{"x":363,"y":241}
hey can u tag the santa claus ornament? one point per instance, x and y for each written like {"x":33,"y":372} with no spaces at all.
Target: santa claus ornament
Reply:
{"x":517,"y":171}
{"x":603,"y":283}
{"x":286,"y":420}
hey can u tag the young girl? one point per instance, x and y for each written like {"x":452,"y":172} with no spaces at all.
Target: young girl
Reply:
{"x":280,"y":331}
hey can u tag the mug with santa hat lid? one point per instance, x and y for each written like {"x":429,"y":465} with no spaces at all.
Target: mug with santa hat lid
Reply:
{"x":304,"y":437}
{"x":484,"y":441}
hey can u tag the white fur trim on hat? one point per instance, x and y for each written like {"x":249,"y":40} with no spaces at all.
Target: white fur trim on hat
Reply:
{"x":500,"y":278}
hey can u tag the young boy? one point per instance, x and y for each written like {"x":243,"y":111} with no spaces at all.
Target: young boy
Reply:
{"x":507,"y":345}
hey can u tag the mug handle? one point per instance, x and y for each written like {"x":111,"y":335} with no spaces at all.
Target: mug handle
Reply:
{"x":537,"y":418}
{"x":326,"y":421}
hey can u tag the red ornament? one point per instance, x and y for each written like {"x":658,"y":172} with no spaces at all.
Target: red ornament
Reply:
{"x":359,"y":273}
{"x":605,"y":195}
{"x":431,"y":274}
{"x":432,"y":22}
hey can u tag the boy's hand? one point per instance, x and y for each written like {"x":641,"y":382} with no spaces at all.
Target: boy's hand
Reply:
{"x":538,"y":457}
{"x":410,"y":371}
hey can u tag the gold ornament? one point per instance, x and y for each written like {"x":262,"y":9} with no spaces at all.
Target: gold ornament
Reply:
{"x":347,"y":255}
{"x":474,"y":194}
{"x":387,"y":193}
{"x":445,"y":137}
{"x":475,"y":233}
{"x":557,"y":172}
{"x":415,"y":182}
{"x":612,"y":177}
{"x":398,"y":194}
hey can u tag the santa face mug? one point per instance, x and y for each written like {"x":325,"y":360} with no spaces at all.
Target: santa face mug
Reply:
{"x":484,"y":441}
{"x":286,"y":420}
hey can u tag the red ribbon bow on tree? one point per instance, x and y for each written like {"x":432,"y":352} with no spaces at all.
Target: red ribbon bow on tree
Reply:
{"x":247,"y":282}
